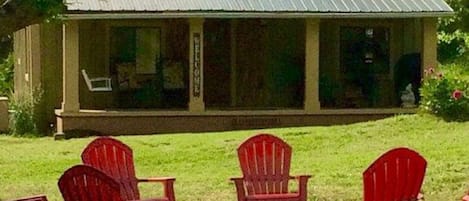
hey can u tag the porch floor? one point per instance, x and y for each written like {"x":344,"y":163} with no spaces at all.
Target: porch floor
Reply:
{"x":128,"y":122}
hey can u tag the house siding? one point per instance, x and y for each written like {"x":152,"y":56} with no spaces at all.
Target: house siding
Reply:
{"x":20,"y":47}
{"x":38,"y":68}
{"x":51,"y":62}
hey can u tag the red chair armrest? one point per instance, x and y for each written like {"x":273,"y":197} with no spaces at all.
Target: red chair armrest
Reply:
{"x":302,"y":184}
{"x":168,"y":185}
{"x":157,"y":179}
{"x":305,"y":176}
{"x":239,"y":182}
{"x":234,"y":179}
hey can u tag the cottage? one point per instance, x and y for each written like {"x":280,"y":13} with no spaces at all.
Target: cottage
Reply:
{"x":204,"y":65}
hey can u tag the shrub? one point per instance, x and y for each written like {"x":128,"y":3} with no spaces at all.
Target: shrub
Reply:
{"x":24,"y":119}
{"x":446,"y":94}
{"x":452,"y":46}
{"x":6,"y":76}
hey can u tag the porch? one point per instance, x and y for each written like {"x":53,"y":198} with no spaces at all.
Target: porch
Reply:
{"x":96,"y":122}
{"x":186,"y":75}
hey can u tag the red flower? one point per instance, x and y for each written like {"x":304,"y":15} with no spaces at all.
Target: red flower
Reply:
{"x":457,"y":94}
{"x":431,"y":70}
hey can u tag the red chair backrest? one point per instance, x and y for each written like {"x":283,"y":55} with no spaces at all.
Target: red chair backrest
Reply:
{"x":396,"y":175}
{"x":85,"y":183}
{"x":115,"y":159}
{"x":265,"y":163}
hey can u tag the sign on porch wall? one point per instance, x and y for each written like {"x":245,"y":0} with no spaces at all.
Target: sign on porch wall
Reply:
{"x":196,"y":70}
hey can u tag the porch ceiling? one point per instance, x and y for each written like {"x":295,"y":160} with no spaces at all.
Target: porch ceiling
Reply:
{"x":230,"y":7}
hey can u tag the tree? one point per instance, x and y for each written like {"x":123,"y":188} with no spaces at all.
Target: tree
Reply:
{"x":17,"y":14}
{"x":453,"y":33}
{"x":460,"y":21}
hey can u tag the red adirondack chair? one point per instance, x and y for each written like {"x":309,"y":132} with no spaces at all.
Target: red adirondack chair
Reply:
{"x":31,"y":198}
{"x":396,"y":175}
{"x":85,"y":183}
{"x":265,"y":162}
{"x":116,"y":159}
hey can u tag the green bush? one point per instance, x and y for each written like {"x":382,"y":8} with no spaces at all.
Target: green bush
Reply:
{"x":24,"y":119}
{"x":452,"y":46}
{"x":6,"y":76}
{"x":446,"y":93}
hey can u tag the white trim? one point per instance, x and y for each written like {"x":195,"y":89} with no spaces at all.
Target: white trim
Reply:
{"x":159,"y":15}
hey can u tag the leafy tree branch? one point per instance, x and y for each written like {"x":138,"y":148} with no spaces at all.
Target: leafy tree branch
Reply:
{"x":17,"y":14}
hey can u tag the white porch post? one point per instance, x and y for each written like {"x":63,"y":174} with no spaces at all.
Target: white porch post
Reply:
{"x":311,"y":99}
{"x":429,"y":43}
{"x":70,"y":101}
{"x":196,"y":54}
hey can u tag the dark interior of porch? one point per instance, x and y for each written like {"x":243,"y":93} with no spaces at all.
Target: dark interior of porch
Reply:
{"x":253,"y":64}
{"x":150,"y":65}
{"x":369,"y":63}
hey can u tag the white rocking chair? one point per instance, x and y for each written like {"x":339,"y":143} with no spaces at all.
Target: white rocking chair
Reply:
{"x":98,"y":84}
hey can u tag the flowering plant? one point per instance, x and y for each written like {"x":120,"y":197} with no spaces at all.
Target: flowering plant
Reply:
{"x":445,"y":95}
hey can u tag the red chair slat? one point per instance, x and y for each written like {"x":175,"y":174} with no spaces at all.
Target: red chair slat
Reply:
{"x":278,"y":161}
{"x":261,"y":167}
{"x":391,"y":178}
{"x":379,"y":183}
{"x":401,"y":184}
{"x":269,"y":152}
{"x":368,"y":183}
{"x":286,"y":160}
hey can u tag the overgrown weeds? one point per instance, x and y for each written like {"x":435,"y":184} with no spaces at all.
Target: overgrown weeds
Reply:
{"x":25,"y":117}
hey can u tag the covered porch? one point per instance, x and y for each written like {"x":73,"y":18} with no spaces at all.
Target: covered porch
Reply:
{"x":203,"y":74}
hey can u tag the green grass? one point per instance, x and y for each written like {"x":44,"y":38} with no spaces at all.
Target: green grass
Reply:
{"x":203,"y":163}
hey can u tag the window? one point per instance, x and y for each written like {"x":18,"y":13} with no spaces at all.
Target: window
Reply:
{"x":364,"y":58}
{"x":364,"y":50}
{"x":139,"y":46}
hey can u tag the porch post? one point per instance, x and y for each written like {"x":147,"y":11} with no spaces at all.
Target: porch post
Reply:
{"x":70,"y":101}
{"x":429,"y":43}
{"x":196,"y":54}
{"x":311,"y":100}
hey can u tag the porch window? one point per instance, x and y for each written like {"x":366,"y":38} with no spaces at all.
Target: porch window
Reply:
{"x":364,"y":50}
{"x":146,"y":77}
{"x":367,"y":63}
{"x":364,"y":60}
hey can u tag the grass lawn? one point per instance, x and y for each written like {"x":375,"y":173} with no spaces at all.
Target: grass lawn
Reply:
{"x":336,"y":156}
